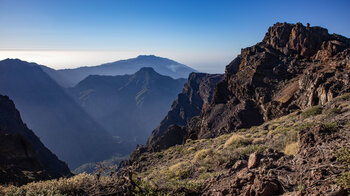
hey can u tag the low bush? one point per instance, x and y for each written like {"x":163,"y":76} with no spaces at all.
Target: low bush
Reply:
{"x":315,"y":110}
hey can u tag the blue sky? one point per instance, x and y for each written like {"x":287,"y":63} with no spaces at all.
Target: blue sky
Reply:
{"x":205,"y":35}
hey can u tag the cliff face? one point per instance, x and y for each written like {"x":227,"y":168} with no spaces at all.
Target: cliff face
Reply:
{"x":23,"y":158}
{"x":196,"y":94}
{"x":294,"y":67}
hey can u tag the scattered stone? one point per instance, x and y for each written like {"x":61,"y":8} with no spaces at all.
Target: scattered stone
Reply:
{"x":254,"y":160}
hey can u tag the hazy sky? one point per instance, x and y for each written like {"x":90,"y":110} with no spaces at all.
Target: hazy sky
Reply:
{"x":205,"y":35}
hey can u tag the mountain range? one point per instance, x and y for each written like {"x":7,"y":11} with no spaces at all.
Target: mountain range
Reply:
{"x":62,"y":125}
{"x":163,"y":66}
{"x":99,"y":118}
{"x":128,"y":106}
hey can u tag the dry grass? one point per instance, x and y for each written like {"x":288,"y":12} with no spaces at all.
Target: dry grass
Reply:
{"x":201,"y":154}
{"x":291,"y":149}
{"x":236,"y":141}
{"x":76,"y":185}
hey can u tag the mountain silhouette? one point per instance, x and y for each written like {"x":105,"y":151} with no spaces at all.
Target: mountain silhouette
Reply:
{"x":62,"y":125}
{"x":128,"y":106}
{"x":164,"y":66}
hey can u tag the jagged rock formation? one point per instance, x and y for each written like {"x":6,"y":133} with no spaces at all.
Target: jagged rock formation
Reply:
{"x":294,"y":67}
{"x":128,"y":106}
{"x":23,"y":158}
{"x":196,"y":94}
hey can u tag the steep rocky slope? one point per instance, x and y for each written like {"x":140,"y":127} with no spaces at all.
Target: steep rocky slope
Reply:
{"x":23,"y":158}
{"x":304,"y":153}
{"x":62,"y":125}
{"x":293,"y":68}
{"x":196,"y":94}
{"x":128,"y":106}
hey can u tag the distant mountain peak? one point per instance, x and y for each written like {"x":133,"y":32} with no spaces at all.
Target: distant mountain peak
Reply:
{"x":148,"y":56}
{"x":16,"y":61}
{"x":13,"y":60}
{"x":146,"y":69}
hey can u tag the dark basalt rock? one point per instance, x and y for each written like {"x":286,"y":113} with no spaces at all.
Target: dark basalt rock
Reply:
{"x":294,"y":67}
{"x":196,"y":94}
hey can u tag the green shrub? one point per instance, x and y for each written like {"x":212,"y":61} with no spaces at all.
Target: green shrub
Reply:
{"x":331,"y":126}
{"x":344,"y":180}
{"x":315,"y":110}
{"x":343,"y":157}
{"x":305,"y":126}
{"x":335,"y":111}
{"x":345,"y":96}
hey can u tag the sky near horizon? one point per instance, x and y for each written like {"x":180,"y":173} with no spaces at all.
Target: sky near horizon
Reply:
{"x":205,"y":35}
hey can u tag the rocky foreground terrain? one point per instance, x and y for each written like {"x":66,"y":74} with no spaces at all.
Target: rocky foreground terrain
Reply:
{"x":277,"y":124}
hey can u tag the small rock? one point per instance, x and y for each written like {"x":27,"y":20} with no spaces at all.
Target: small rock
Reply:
{"x":254,"y":160}
{"x":240,"y":164}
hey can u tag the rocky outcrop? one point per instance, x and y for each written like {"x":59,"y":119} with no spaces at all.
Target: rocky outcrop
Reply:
{"x":23,"y":158}
{"x":294,"y":67}
{"x":196,"y":94}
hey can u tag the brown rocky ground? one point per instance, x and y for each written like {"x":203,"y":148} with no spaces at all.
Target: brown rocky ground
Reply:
{"x":292,"y":155}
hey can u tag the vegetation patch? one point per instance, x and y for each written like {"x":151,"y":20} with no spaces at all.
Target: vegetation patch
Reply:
{"x":343,"y":157}
{"x":236,"y":141}
{"x":315,"y":110}
{"x":291,"y":149}
{"x":200,"y":155}
{"x":331,"y":126}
